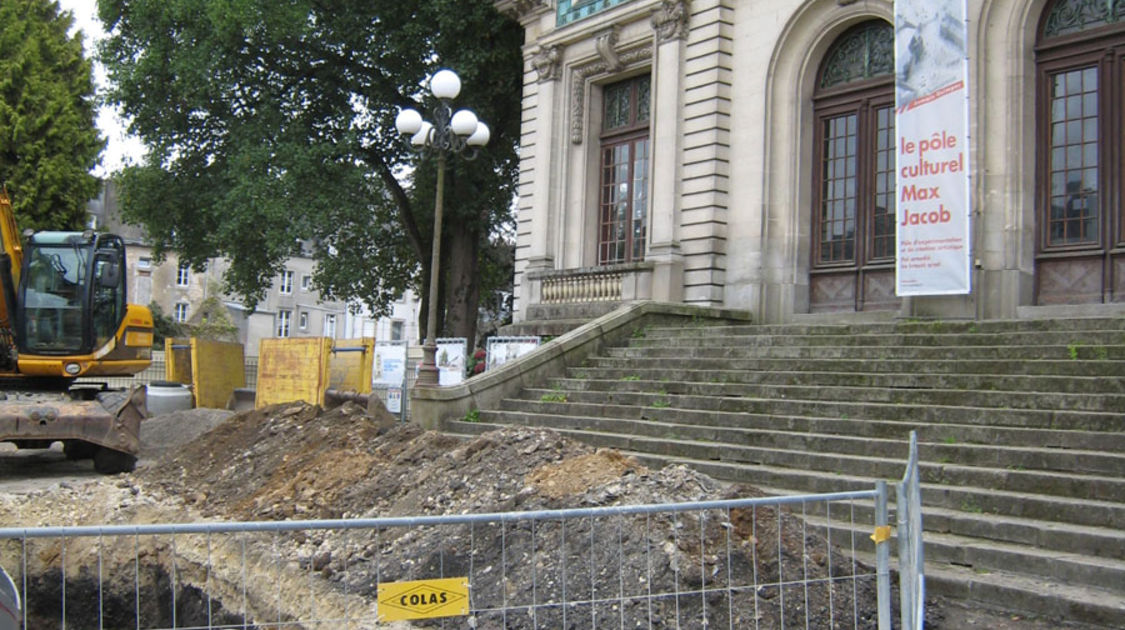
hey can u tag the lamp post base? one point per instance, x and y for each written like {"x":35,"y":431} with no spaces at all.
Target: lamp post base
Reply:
{"x":428,"y":370}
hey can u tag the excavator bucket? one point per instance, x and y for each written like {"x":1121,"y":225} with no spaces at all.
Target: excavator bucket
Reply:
{"x":106,"y":429}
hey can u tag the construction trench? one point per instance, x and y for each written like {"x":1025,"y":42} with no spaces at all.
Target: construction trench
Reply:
{"x":298,"y":462}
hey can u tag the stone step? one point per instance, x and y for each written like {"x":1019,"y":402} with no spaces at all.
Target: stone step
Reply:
{"x":982,"y":555}
{"x":661,"y":408}
{"x":1109,"y":369}
{"x":935,"y":327}
{"x":1048,"y":537}
{"x":988,"y":382}
{"x":1005,"y":591}
{"x":946,"y":453}
{"x":937,"y":433}
{"x":1112,"y":354}
{"x":687,"y":393}
{"x":969,"y":489}
{"x":1079,"y":344}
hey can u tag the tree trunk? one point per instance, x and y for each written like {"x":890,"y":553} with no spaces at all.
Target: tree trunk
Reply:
{"x":462,"y":283}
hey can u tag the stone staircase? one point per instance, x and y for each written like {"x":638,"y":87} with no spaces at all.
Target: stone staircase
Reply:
{"x":1021,"y":429}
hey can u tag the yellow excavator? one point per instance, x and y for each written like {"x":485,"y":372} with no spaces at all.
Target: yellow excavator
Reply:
{"x":63,"y":317}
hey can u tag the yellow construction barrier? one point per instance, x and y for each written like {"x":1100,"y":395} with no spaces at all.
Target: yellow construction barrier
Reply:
{"x":213,"y":369}
{"x":177,"y":360}
{"x":217,"y":368}
{"x":349,"y":367}
{"x":292,"y":369}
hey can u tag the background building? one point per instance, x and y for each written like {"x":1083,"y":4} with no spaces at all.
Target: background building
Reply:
{"x":292,"y":307}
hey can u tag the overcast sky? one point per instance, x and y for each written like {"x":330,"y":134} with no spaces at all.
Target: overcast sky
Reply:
{"x":120,"y":149}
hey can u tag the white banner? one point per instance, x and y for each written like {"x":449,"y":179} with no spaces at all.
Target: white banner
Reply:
{"x":932,"y":123}
{"x":389,"y":366}
{"x":450,"y":360}
{"x":504,"y":349}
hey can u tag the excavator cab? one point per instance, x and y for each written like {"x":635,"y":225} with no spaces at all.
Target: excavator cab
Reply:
{"x":73,"y":293}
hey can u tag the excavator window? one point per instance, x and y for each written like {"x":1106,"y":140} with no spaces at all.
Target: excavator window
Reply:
{"x":109,"y":296}
{"x":53,"y":299}
{"x":72,"y":292}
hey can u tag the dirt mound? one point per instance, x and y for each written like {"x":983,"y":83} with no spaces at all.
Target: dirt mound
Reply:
{"x":577,"y":474}
{"x":168,"y":431}
{"x":297,"y":461}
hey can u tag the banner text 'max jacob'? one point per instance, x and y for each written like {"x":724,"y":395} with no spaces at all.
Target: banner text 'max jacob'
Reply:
{"x":931,"y":122}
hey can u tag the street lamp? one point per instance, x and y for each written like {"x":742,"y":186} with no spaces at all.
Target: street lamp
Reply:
{"x":451,"y":133}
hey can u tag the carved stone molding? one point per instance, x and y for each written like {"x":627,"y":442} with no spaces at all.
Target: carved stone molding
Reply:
{"x":606,"y":45}
{"x":670,"y":21}
{"x":546,"y":62}
{"x":519,"y":9}
{"x":580,"y":74}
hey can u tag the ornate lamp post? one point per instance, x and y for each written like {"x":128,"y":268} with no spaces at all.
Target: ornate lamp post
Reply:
{"x":451,"y":133}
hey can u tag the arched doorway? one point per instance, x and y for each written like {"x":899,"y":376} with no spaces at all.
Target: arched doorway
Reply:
{"x":853,"y":216}
{"x":1080,"y":162}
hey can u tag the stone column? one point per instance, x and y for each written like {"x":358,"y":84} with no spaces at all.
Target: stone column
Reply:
{"x":670,"y":23}
{"x":541,"y":254}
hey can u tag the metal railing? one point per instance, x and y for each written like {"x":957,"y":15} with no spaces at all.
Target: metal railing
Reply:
{"x":744,"y":563}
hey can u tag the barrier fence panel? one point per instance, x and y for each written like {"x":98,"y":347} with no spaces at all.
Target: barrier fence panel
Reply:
{"x":912,"y":580}
{"x":744,"y":563}
{"x":156,"y":372}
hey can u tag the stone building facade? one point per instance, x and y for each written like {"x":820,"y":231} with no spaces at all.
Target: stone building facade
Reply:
{"x":679,"y":151}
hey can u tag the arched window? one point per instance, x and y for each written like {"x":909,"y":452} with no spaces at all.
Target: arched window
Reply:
{"x":625,"y":148}
{"x":853,"y":218}
{"x":1080,"y":219}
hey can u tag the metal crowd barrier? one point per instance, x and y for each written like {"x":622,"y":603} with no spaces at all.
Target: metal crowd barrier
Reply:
{"x":705,"y":564}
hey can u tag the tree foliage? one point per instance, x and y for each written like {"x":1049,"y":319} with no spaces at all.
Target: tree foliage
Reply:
{"x":48,"y":138}
{"x":271,"y":124}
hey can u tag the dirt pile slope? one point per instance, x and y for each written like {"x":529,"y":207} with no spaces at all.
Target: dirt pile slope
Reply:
{"x":297,"y":461}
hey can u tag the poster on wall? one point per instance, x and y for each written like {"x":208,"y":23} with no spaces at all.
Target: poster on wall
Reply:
{"x":389,"y":367}
{"x":504,"y":349}
{"x":450,"y":359}
{"x":932,"y":152}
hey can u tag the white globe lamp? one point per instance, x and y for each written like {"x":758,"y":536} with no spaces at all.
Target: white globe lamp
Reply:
{"x":445,"y":84}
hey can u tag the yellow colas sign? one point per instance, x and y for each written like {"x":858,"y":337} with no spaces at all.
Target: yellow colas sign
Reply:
{"x":424,"y":599}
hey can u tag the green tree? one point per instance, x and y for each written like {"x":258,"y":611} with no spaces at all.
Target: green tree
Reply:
{"x":163,"y":326}
{"x":48,"y":138}
{"x":270,"y":126}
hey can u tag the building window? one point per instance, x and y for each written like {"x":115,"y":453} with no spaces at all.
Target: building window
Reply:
{"x":330,"y":326}
{"x":303,"y":320}
{"x":1080,"y":199}
{"x":286,"y":282}
{"x":183,"y":275}
{"x":283,"y":320}
{"x":396,"y":330}
{"x":180,"y":312}
{"x":306,"y":282}
{"x":625,"y":154}
{"x":144,"y":263}
{"x":853,"y":217}
{"x":572,"y":10}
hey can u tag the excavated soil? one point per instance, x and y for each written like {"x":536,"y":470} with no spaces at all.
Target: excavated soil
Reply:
{"x":297,"y":461}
